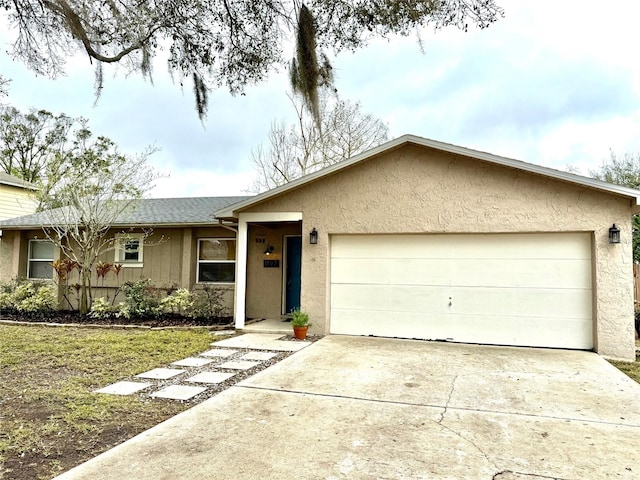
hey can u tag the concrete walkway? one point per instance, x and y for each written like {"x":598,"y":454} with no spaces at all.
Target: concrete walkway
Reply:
{"x":196,"y":378}
{"x":363,"y":408}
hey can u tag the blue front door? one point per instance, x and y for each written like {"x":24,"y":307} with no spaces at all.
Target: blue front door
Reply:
{"x":293,"y":247}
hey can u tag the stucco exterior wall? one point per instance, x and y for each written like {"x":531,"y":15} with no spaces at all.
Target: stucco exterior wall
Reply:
{"x":15,"y":202}
{"x":265,"y":285}
{"x":9,"y":255}
{"x":415,"y":189}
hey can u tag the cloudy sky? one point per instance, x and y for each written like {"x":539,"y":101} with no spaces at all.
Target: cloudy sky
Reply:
{"x":552,"y":83}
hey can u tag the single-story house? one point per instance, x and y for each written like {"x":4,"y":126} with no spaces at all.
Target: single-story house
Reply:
{"x":167,"y":240}
{"x":414,"y":239}
{"x":16,"y":196}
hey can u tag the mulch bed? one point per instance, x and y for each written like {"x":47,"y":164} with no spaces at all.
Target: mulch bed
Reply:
{"x":74,"y":318}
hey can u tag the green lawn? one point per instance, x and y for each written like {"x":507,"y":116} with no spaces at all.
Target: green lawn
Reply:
{"x":50,"y":420}
{"x":632,"y":369}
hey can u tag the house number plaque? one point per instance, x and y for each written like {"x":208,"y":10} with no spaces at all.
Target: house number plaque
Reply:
{"x":271,"y":263}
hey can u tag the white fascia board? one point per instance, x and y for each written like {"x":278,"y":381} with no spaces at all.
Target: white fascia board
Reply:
{"x":271,"y":216}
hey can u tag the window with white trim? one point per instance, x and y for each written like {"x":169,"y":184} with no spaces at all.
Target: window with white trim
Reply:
{"x":40,"y":259}
{"x":129,"y":248}
{"x":216,"y":260}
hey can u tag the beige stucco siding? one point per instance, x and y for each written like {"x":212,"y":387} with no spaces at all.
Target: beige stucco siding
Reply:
{"x":265,"y":285}
{"x":15,"y":202}
{"x":419,"y":190}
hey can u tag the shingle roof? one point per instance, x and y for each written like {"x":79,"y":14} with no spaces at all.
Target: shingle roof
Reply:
{"x":151,"y":211}
{"x":6,"y":179}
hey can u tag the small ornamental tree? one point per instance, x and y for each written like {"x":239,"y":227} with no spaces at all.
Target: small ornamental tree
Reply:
{"x":98,"y":187}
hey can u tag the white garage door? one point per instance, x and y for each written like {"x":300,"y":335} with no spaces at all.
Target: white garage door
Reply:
{"x":501,"y":289}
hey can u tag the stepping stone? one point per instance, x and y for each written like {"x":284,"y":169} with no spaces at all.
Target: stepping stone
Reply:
{"x":263,"y":341}
{"x":239,"y":365}
{"x":219,"y":352}
{"x":220,"y":333}
{"x":261,"y":356}
{"x":178,"y":392}
{"x":210,"y":377}
{"x":123,"y":388}
{"x":192,"y":362}
{"x":161,"y":373}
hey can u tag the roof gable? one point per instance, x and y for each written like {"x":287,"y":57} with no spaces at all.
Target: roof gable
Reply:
{"x":633,"y":195}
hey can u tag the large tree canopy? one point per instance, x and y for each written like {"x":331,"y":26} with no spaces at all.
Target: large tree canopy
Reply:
{"x":49,"y":150}
{"x":220,"y":43}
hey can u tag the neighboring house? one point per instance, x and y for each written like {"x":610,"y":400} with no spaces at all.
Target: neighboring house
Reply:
{"x":419,"y":239}
{"x":16,"y":197}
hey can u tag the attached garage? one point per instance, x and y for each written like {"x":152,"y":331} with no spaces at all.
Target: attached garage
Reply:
{"x":503,"y":289}
{"x":427,"y":240}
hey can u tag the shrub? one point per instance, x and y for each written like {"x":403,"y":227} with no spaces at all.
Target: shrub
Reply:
{"x":142,"y":300}
{"x":179,"y":301}
{"x":27,"y":297}
{"x":207,"y":303}
{"x":101,"y":308}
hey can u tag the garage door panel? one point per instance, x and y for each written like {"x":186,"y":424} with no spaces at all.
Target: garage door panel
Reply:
{"x":464,"y":300}
{"x":388,"y":298}
{"x":509,"y":330}
{"x":533,"y":302}
{"x":566,"y":273}
{"x":518,"y":289}
{"x":387,"y":324}
{"x":500,"y":246}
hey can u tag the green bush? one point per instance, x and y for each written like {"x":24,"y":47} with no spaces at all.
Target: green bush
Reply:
{"x":142,"y":300}
{"x":207,"y":303}
{"x":28,"y":297}
{"x":179,"y":301}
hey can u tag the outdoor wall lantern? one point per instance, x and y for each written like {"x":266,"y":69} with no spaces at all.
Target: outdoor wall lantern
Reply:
{"x":614,"y":234}
{"x":269,"y":250}
{"x":313,"y":236}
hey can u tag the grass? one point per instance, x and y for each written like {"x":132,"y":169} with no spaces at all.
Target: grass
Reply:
{"x":631,"y":369}
{"x":50,"y":420}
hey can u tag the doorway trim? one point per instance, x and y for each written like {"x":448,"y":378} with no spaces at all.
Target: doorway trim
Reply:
{"x":240,"y":291}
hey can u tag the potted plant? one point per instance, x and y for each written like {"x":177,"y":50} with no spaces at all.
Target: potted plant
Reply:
{"x":300,"y":324}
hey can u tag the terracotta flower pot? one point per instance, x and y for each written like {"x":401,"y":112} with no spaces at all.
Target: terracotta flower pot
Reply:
{"x":300,"y":332}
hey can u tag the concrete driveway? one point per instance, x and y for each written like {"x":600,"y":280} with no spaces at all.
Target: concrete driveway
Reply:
{"x":364,"y":408}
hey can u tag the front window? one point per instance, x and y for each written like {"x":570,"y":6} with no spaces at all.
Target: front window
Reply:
{"x":40,"y":259}
{"x":129,"y":249}
{"x":216,"y":260}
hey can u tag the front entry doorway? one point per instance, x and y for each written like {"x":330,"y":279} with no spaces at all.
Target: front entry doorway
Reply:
{"x":292,"y":277}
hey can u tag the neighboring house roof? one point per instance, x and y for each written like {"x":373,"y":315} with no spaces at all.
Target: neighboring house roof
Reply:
{"x":149,"y":211}
{"x":231,"y":210}
{"x":6,"y":179}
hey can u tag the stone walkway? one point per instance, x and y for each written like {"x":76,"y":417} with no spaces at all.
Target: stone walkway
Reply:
{"x":202,"y":376}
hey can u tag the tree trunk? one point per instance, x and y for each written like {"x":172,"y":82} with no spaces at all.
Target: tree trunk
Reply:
{"x":84,"y":297}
